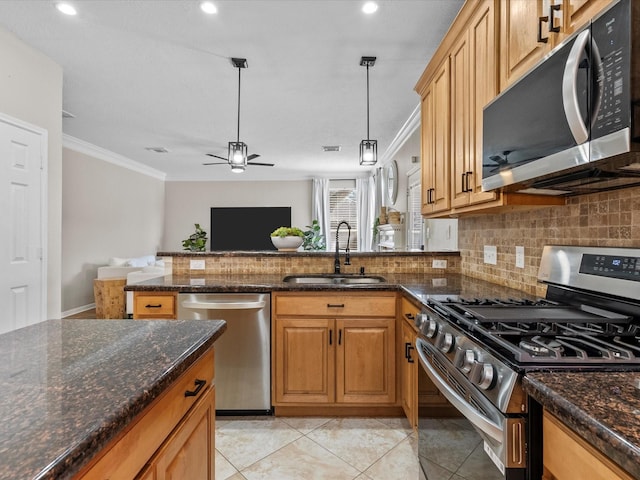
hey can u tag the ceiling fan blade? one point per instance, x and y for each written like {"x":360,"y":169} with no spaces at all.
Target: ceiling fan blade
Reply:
{"x":252,"y":156}
{"x":215,"y":156}
{"x":260,"y":164}
{"x":217,"y":163}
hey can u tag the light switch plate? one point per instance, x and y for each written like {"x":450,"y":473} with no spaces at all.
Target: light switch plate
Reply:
{"x":519,"y":257}
{"x":490,"y":254}
{"x":439,"y":282}
{"x":197,"y":281}
{"x":439,"y":264}
{"x":196,"y":264}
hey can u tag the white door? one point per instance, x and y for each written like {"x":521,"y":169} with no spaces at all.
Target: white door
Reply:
{"x":22,"y":224}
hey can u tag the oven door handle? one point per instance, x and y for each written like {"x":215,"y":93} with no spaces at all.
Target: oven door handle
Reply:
{"x":484,"y":424}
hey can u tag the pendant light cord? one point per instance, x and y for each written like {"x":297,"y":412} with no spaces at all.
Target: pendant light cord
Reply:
{"x":367,"y":102}
{"x":238,"y":138}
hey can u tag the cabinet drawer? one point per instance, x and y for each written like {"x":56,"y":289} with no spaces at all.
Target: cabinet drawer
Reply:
{"x":128,"y":454}
{"x":160,"y":305}
{"x":379,"y":305}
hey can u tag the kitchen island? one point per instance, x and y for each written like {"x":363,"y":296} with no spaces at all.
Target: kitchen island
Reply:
{"x":72,"y":387}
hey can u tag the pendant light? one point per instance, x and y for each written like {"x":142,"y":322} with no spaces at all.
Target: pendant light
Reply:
{"x":237,"y":151}
{"x":368,"y":147}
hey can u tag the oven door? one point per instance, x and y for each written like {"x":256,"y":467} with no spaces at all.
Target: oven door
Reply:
{"x":481,"y":444}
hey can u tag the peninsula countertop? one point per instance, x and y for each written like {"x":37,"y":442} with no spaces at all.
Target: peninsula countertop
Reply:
{"x":70,"y":386}
{"x":601,"y":407}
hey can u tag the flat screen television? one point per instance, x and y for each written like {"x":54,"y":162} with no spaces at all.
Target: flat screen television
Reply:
{"x":246,"y":228}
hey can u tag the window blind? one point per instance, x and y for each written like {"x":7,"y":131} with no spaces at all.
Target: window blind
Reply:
{"x":342,"y":206}
{"x":414,"y":214}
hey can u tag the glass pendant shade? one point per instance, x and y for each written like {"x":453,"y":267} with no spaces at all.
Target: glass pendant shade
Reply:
{"x":368,"y":152}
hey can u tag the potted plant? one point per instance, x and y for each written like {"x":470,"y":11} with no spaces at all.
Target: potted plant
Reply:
{"x":287,"y":239}
{"x":196,"y":241}
{"x":313,"y":239}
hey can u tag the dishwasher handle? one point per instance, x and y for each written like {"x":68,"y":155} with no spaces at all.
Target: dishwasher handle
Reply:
{"x":225,"y":305}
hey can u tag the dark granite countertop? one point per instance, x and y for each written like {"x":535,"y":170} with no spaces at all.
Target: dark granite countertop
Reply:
{"x":308,"y":253}
{"x":601,"y":407}
{"x":416,"y":285}
{"x":70,"y":386}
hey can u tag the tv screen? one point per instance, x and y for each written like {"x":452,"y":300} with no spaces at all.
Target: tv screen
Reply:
{"x":246,"y":228}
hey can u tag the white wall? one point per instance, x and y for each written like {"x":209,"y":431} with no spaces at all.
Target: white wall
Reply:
{"x":31,"y":90}
{"x":190,"y":202}
{"x":107,"y":211}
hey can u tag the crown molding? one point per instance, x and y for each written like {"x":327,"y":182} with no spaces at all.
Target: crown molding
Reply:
{"x":92,"y":150}
{"x":409,"y":127}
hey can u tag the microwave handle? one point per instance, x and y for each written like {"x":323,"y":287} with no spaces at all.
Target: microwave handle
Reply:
{"x":486,"y":425}
{"x":570,"y":89}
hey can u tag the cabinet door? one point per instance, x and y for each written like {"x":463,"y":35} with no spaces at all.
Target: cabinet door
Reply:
{"x":304,"y":361}
{"x":189,"y":451}
{"x":483,"y":87}
{"x":365,"y":361}
{"x":521,"y":46}
{"x":460,"y":122}
{"x":409,"y":372}
{"x":577,"y":13}
{"x":435,"y":144}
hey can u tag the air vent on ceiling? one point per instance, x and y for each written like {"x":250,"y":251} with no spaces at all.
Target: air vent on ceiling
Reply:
{"x":66,"y":114}
{"x":157,"y":149}
{"x":331,"y":148}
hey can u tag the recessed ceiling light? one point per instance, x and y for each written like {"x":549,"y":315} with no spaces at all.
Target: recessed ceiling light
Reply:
{"x":66,"y":8}
{"x":370,"y":7}
{"x":208,"y":7}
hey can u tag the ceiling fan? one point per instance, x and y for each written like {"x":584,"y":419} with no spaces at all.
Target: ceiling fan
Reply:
{"x":237,"y":156}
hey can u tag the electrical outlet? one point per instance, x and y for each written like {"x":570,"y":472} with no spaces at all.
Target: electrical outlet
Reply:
{"x":197,"y":281}
{"x":490,"y":254}
{"x":439,"y":282}
{"x":519,"y":257}
{"x":439,"y":264}
{"x":196,"y":264}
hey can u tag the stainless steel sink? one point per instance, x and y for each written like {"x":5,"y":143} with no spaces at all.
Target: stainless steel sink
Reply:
{"x":333,"y":279}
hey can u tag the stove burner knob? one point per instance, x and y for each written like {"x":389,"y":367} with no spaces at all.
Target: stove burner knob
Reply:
{"x":484,"y":375}
{"x":446,"y":342}
{"x":432,"y":328}
{"x":468,"y":359}
{"x":421,"y":319}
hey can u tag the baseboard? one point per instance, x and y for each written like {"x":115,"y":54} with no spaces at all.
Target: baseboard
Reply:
{"x":76,"y":310}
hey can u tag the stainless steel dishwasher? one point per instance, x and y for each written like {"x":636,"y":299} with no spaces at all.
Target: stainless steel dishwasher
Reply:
{"x":242,"y":353}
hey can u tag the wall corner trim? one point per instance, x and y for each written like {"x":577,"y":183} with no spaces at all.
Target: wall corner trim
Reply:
{"x":87,"y":148}
{"x":410,"y":126}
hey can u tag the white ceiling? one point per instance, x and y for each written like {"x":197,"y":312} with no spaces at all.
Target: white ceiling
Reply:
{"x":157,"y":73}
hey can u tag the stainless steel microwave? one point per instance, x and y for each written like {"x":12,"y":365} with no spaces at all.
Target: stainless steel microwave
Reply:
{"x":571,"y":125}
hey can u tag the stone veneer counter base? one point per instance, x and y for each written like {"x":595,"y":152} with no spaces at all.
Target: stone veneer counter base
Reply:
{"x":70,"y":386}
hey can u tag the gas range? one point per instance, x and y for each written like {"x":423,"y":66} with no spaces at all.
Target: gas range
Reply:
{"x":476,"y":350}
{"x":590,"y":318}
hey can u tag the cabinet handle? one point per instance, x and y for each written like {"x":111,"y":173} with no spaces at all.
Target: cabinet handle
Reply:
{"x":467,"y":175}
{"x":335,"y":305}
{"x":540,"y":20}
{"x":409,"y":316}
{"x":340,"y":337}
{"x":330,"y":337}
{"x":552,"y":9}
{"x":199,"y":386}
{"x":159,"y":305}
{"x":407,"y":352}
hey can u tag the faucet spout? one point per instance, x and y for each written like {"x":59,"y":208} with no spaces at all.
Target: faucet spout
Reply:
{"x":336,"y":260}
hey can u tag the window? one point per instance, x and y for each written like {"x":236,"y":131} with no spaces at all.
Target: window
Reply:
{"x":414,"y":213}
{"x":342,"y":206}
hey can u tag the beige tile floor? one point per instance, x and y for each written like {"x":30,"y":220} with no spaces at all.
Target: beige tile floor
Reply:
{"x":286,"y":448}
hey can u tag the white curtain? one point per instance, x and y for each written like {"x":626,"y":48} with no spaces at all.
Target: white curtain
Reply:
{"x":366,"y":201}
{"x":320,"y":206}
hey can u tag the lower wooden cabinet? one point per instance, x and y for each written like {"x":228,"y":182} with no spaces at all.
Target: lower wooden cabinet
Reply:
{"x":172,"y":439}
{"x":566,"y":456}
{"x":335,"y":356}
{"x":154,"y":305}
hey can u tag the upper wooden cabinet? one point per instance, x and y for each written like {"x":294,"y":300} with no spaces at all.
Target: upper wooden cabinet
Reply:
{"x":473,"y":85}
{"x":529,"y":29}
{"x":435,"y":143}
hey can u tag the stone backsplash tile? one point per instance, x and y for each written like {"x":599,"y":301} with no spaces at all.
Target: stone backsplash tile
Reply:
{"x":610,"y":219}
{"x":294,"y":264}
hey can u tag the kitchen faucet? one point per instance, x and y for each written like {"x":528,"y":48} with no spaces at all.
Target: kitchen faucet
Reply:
{"x":347,"y":261}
